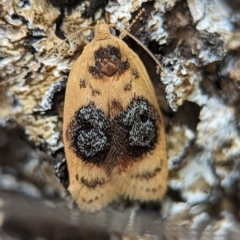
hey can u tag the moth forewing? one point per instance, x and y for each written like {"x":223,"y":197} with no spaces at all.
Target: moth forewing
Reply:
{"x":113,"y":129}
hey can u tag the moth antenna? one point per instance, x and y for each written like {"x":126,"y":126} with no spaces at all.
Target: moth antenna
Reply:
{"x":132,"y":23}
{"x":125,"y":32}
{"x":142,"y":11}
{"x":37,"y":65}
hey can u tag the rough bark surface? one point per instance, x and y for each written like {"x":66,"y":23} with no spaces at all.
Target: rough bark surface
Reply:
{"x":197,"y":43}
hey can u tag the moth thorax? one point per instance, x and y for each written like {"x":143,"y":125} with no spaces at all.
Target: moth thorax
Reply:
{"x":101,"y":31}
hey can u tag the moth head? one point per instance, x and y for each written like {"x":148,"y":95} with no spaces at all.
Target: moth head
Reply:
{"x":101,"y":30}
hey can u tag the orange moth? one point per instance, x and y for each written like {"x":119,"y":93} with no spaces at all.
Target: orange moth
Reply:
{"x":113,"y":130}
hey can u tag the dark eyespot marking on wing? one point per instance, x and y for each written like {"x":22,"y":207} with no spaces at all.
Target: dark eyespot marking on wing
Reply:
{"x":134,"y":134}
{"x":104,"y":141}
{"x":89,"y":134}
{"x":140,"y":122}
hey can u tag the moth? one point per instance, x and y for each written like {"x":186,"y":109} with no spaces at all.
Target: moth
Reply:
{"x":113,"y":130}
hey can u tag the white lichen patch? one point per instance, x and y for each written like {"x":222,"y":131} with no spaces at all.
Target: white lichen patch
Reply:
{"x":155,"y":26}
{"x":120,"y":9}
{"x":164,"y":5}
{"x":213,"y":161}
{"x":121,"y":14}
{"x":217,"y":130}
{"x":173,"y":209}
{"x":45,"y":61}
{"x":50,"y":132}
{"x":195,"y":180}
{"x":224,"y":229}
{"x":212,"y":16}
{"x":8,"y":33}
{"x":218,"y":135}
{"x":136,"y":4}
{"x":36,"y":14}
{"x":197,"y":96}
{"x":200,"y":221}
{"x":180,"y":79}
{"x":74,"y":22}
{"x":179,"y":140}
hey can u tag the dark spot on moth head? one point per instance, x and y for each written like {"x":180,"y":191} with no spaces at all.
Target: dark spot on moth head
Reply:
{"x":93,"y":182}
{"x":89,"y":133}
{"x":82,"y":83}
{"x":140,"y":123}
{"x":108,"y":62}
